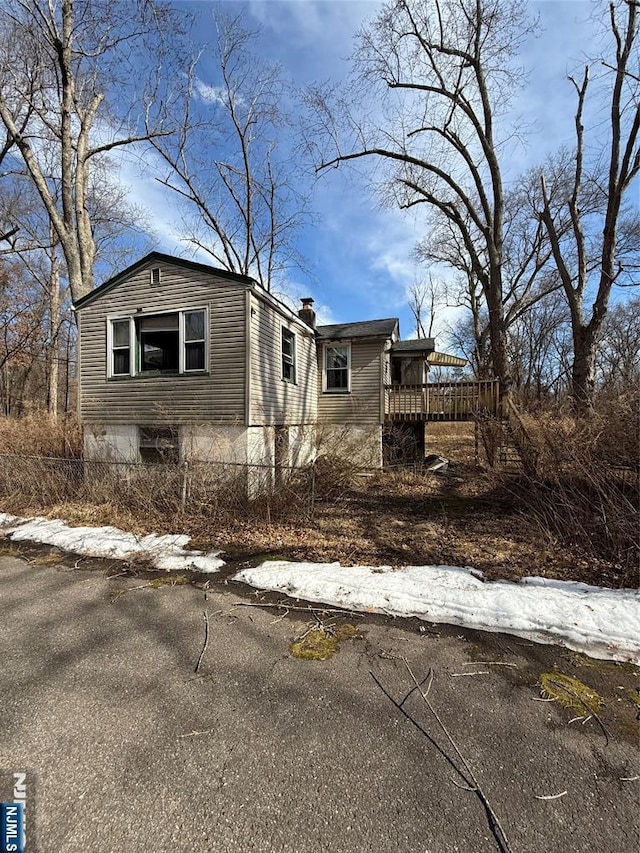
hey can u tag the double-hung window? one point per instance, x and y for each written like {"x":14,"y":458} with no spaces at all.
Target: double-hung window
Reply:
{"x":288,"y":355}
{"x":337,"y":364}
{"x":120,"y":356}
{"x":193,"y":335}
{"x":152,"y":344}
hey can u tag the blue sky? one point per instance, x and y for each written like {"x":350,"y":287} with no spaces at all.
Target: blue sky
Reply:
{"x":359,"y":257}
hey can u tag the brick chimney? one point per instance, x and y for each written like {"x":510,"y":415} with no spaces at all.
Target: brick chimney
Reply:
{"x":306,"y":313}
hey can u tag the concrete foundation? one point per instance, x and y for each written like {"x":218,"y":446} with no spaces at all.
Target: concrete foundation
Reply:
{"x":359,"y":445}
{"x":263,"y":448}
{"x":112,"y":443}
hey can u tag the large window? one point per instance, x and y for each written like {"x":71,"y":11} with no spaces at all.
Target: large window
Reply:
{"x":159,"y":343}
{"x":288,"y":355}
{"x":337,"y":361}
{"x":154,"y":344}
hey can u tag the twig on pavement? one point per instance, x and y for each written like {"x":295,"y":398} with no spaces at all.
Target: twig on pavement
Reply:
{"x":312,"y":610}
{"x":206,"y":639}
{"x":496,"y":826}
{"x":551,"y":796}
{"x":462,"y":674}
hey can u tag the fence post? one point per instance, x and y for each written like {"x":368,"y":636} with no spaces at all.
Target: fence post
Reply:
{"x":312,"y":496}
{"x":184,"y":484}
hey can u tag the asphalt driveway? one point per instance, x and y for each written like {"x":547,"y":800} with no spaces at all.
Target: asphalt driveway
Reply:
{"x":134,"y":751}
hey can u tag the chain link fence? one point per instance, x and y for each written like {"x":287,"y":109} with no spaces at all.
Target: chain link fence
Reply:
{"x":211,"y":489}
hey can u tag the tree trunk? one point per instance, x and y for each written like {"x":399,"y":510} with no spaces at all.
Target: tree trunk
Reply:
{"x":499,"y":355}
{"x":583,"y":369}
{"x":54,"y":328}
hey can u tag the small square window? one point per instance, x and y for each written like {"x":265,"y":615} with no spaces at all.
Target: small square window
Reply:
{"x":288,"y":355}
{"x":159,"y":445}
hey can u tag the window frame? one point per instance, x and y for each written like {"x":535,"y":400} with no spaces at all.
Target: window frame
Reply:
{"x":162,"y":448}
{"x":182,"y":341}
{"x":111,"y":374}
{"x":135,"y":370}
{"x":285,"y":359}
{"x":325,"y":349}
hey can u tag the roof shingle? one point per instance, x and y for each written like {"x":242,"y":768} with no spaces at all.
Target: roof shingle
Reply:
{"x":364,"y":329}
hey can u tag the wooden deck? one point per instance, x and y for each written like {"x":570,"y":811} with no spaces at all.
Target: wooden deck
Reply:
{"x":441,"y":401}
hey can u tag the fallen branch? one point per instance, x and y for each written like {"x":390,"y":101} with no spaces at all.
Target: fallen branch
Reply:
{"x":496,"y":827}
{"x":206,"y":639}
{"x":312,"y":610}
{"x":467,"y":775}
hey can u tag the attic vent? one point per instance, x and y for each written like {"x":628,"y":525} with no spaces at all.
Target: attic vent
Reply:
{"x":155,"y":275}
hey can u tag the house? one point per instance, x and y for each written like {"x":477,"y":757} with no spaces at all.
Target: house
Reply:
{"x":179,"y":359}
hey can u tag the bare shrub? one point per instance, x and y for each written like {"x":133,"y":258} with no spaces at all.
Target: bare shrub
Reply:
{"x":333,"y":478}
{"x":40,"y":434}
{"x":212,"y":491}
{"x":586,"y":488}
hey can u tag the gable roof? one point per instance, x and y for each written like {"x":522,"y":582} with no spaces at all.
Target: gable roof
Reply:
{"x":365,"y":329}
{"x":159,"y":257}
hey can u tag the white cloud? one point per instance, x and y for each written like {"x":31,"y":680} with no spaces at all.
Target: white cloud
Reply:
{"x":210,"y":94}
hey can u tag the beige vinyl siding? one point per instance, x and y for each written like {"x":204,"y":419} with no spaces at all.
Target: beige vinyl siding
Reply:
{"x":273,"y":400}
{"x":362,"y":404}
{"x":217,"y":396}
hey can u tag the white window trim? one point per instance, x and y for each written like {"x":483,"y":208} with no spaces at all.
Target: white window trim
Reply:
{"x":111,"y":374}
{"x":133,"y":342}
{"x":335,"y":345}
{"x":183,"y":343}
{"x":293,"y":381}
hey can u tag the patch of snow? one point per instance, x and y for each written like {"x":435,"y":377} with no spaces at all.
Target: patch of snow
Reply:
{"x":164,"y":552}
{"x":600,"y":622}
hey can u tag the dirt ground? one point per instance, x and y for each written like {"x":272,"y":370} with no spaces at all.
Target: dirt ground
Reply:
{"x":464,"y":516}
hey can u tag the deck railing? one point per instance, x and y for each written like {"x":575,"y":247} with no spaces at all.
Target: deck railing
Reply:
{"x":447,"y":401}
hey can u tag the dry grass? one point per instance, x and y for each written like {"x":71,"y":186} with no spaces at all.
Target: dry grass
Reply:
{"x":466,"y":516}
{"x":38,"y":434}
{"x":586,"y":486}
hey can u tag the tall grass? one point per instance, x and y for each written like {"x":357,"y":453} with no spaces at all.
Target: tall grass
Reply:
{"x":39,"y":434}
{"x":586,"y":485}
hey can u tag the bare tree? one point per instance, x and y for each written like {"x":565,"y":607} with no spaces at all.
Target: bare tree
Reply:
{"x":60,"y":65}
{"x":588,"y":257}
{"x":528,"y":273}
{"x":618,"y":352}
{"x":447,"y":72}
{"x":424,"y":299}
{"x":227,"y":161}
{"x":37,"y":250}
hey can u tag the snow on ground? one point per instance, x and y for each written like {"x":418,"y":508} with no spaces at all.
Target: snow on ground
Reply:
{"x":164,"y":552}
{"x":603,"y":623}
